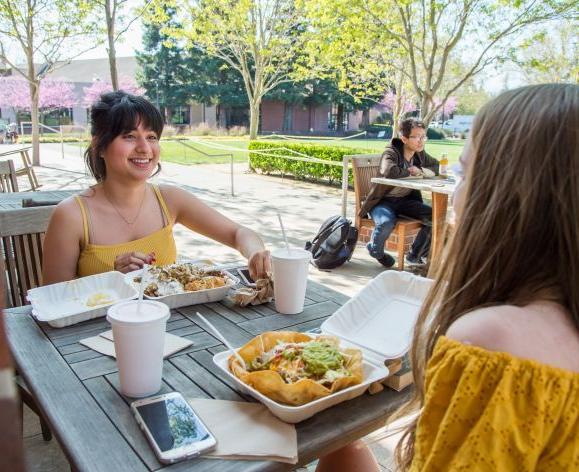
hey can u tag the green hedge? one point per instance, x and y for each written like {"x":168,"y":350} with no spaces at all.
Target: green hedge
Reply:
{"x":52,"y":139}
{"x":301,"y":170}
{"x":435,"y":133}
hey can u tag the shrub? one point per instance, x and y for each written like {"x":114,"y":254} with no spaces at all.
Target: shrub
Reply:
{"x":237,"y":131}
{"x":52,"y":139}
{"x":374,"y":130}
{"x":271,"y":164}
{"x":435,"y":133}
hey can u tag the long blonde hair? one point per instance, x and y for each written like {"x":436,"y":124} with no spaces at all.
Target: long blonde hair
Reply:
{"x":519,"y":231}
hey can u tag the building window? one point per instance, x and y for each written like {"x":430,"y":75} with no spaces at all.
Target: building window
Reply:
{"x":288,"y":117}
{"x":337,"y":116}
{"x":181,"y":115}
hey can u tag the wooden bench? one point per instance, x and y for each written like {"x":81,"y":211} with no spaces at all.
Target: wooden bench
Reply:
{"x":364,"y":168}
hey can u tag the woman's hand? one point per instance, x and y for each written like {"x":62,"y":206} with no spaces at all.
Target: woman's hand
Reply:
{"x":259,"y":265}
{"x":133,"y":261}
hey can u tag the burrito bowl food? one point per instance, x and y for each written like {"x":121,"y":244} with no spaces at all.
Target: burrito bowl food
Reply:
{"x":295,"y":369}
{"x":181,"y":278}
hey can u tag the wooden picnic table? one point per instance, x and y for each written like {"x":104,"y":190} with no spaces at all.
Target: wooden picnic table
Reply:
{"x":13,"y":200}
{"x":441,"y":189}
{"x":78,"y":388}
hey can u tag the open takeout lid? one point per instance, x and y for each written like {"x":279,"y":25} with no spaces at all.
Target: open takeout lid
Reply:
{"x":380,"y":319}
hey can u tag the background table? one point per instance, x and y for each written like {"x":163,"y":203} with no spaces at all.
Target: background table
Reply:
{"x":441,"y":189}
{"x":13,"y":201}
{"x":78,"y":388}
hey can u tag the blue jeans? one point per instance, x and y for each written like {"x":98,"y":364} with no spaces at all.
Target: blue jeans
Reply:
{"x":386,"y":213}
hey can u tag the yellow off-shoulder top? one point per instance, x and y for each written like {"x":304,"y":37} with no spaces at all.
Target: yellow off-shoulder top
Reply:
{"x":492,"y":411}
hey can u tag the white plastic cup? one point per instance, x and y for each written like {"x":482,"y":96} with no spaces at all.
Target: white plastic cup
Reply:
{"x":139,"y":337}
{"x":290,"y":278}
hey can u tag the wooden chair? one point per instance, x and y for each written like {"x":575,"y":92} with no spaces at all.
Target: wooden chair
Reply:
{"x":364,"y":168}
{"x":27,"y":168}
{"x":8,"y":178}
{"x":21,"y":236}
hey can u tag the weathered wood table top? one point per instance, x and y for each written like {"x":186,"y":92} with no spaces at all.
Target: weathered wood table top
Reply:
{"x":13,"y":201}
{"x":435,"y":185}
{"x":78,"y":388}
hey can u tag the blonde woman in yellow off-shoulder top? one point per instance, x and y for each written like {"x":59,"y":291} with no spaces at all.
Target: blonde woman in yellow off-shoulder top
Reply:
{"x":123,"y":221}
{"x":496,"y":347}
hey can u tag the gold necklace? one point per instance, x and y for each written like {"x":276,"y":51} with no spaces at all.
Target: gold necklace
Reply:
{"x":130,"y":223}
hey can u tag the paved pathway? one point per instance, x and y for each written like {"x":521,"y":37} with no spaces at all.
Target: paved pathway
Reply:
{"x":304,"y":207}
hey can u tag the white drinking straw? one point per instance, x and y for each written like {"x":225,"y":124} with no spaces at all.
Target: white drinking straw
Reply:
{"x":283,"y":232}
{"x":216,"y":332}
{"x":142,"y":286}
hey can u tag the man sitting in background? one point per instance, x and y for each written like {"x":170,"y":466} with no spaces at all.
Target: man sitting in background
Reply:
{"x":404,"y":157}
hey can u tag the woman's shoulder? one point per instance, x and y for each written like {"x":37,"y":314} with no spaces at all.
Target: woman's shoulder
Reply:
{"x":174,"y":195}
{"x":541,"y":331}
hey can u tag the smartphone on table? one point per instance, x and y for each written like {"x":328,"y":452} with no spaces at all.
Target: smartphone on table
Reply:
{"x":172,"y":427}
{"x":245,"y":277}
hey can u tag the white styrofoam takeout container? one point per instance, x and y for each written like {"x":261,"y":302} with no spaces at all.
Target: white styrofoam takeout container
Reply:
{"x":65,"y":303}
{"x":379,"y":320}
{"x":295,"y":414}
{"x":381,"y":317}
{"x":178,"y":300}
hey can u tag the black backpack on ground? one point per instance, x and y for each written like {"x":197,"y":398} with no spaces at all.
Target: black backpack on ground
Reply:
{"x":334,"y":244}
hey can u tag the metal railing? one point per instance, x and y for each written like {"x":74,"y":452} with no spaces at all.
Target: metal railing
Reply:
{"x":196,"y":149}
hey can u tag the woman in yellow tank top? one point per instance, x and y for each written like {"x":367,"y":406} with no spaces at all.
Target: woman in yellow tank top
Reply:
{"x":123,"y":222}
{"x":496,"y":347}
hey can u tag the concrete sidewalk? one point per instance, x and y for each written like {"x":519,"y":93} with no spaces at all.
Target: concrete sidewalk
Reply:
{"x":304,"y":207}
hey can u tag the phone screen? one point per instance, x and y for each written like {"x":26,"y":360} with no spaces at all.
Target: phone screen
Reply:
{"x":172,"y":423}
{"x":245,"y":276}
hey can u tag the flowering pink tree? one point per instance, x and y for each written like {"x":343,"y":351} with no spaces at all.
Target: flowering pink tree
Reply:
{"x":127,"y":84}
{"x":448,"y":107}
{"x":406,"y":104}
{"x":54,"y":94}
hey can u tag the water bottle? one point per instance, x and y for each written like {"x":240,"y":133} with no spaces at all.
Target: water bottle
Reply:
{"x":443,"y":170}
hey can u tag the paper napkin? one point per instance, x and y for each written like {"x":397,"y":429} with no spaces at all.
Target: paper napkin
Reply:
{"x":104,"y":344}
{"x":247,"y":431}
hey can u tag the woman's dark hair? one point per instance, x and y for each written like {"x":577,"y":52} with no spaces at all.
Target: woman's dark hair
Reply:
{"x":113,"y":114}
{"x":406,"y":126}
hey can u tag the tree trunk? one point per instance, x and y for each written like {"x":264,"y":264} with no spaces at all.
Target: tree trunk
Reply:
{"x":110,"y":16}
{"x":340,"y":118}
{"x":34,"y":118}
{"x":254,"y":118}
{"x":365,"y":118}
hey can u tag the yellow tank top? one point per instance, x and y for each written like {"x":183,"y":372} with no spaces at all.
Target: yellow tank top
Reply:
{"x":486,"y":410}
{"x":95,"y":259}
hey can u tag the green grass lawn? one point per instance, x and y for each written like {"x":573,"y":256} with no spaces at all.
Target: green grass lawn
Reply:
{"x":204,"y":151}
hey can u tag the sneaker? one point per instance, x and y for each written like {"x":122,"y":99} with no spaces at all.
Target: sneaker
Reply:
{"x":414,"y":260}
{"x":387,"y":260}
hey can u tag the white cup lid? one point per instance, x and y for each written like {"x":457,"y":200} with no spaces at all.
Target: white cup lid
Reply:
{"x":293,"y":254}
{"x":134,"y":313}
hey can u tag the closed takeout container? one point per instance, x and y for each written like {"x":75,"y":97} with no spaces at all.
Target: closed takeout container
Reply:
{"x":178,"y":300}
{"x":379,"y":320}
{"x":67,"y":303}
